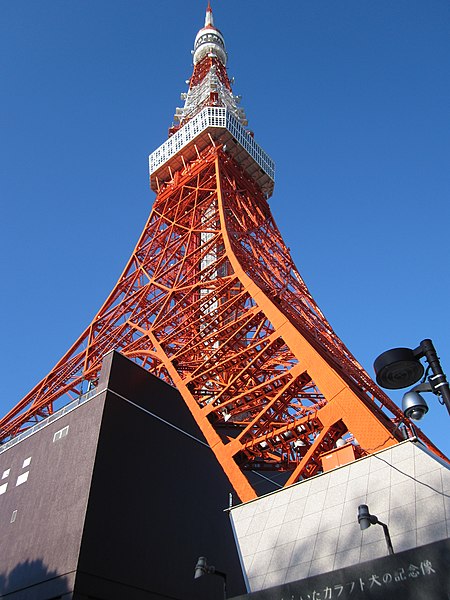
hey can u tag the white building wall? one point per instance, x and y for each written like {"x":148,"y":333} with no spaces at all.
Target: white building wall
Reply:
{"x":311,"y":527}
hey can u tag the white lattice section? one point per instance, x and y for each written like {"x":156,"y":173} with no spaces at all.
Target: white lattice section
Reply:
{"x":211,"y":117}
{"x":198,"y":97}
{"x":249,"y":144}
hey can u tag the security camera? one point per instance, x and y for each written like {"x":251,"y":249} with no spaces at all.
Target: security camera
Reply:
{"x":414,"y":406}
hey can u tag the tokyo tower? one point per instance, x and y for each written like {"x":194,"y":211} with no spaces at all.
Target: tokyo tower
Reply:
{"x":211,"y":302}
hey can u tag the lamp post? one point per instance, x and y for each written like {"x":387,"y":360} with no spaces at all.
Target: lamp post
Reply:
{"x":401,"y":367}
{"x":365,"y":520}
{"x":202,"y":568}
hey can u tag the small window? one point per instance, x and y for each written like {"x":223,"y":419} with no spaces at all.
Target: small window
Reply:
{"x":26,"y":462}
{"x":3,"y":488}
{"x":22,"y":478}
{"x":6,"y":473}
{"x":61,"y":433}
{"x":13,"y":516}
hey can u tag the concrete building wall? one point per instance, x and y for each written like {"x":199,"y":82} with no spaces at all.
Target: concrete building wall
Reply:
{"x":157,"y":498}
{"x":115,"y":499}
{"x":311,"y":527}
{"x":44,"y":489}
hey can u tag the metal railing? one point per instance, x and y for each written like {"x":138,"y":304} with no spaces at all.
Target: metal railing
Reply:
{"x":54,"y":417}
{"x":211,"y":117}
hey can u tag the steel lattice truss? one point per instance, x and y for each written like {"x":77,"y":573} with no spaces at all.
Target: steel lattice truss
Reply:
{"x":212,"y":303}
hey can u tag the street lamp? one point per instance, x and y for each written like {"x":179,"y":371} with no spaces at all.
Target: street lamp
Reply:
{"x":401,"y":367}
{"x":365,"y":520}
{"x":202,"y":568}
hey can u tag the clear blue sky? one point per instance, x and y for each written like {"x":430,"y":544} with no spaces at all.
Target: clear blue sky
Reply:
{"x":350,"y":97}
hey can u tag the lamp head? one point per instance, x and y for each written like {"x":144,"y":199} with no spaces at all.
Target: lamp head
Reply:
{"x":201,"y":568}
{"x":414,"y":406}
{"x":398,"y":368}
{"x":364,"y":517}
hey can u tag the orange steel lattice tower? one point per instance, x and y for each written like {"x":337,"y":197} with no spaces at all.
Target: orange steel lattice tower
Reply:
{"x":211,"y":302}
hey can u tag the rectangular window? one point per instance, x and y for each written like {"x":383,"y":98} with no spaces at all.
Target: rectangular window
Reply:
{"x":6,"y":473}
{"x":3,"y":488}
{"x":61,"y":433}
{"x":26,"y":462}
{"x":13,"y":516}
{"x":22,"y":478}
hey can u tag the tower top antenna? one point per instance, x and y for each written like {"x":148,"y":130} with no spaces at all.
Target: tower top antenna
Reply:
{"x":209,"y":41}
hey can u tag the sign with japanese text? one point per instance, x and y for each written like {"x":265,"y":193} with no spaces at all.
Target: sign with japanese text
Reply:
{"x":417,"y":574}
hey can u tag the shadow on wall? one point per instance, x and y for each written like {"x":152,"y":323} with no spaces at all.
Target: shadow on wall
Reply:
{"x":31,"y":574}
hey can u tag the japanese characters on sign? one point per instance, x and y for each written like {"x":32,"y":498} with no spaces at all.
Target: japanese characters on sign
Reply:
{"x":375,"y":580}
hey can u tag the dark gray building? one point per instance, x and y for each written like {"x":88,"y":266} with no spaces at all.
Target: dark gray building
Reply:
{"x":115,"y":497}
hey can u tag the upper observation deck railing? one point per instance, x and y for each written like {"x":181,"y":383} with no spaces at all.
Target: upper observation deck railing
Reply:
{"x":215,"y":124}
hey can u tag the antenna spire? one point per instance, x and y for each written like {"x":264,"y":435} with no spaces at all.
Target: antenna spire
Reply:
{"x":209,"y":40}
{"x":209,"y":21}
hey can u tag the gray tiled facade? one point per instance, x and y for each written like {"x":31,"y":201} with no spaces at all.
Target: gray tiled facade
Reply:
{"x":311,"y":527}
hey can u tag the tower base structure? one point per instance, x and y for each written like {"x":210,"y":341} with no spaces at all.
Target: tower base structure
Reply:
{"x":91,"y":506}
{"x":305,"y":542}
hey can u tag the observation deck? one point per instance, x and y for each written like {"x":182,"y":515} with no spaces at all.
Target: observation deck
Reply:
{"x":217,"y":125}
